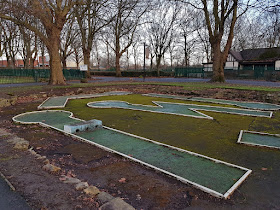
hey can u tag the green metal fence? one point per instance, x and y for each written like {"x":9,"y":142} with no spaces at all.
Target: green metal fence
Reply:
{"x":35,"y":75}
{"x":247,"y":72}
{"x":189,"y":72}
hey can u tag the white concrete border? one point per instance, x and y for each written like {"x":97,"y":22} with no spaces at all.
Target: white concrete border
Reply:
{"x":203,"y":188}
{"x":270,"y":113}
{"x":257,"y":145}
{"x":193,"y":109}
{"x":196,"y":99}
{"x":155,"y":102}
{"x":41,"y":106}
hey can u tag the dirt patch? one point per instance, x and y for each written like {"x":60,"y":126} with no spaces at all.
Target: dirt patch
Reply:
{"x":82,"y":153}
{"x":40,"y":189}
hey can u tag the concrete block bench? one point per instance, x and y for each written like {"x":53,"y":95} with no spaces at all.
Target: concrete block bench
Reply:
{"x":83,"y":126}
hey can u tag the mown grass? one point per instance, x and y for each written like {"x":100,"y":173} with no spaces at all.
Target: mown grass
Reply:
{"x":207,"y":85}
{"x":15,"y":80}
{"x":186,"y":86}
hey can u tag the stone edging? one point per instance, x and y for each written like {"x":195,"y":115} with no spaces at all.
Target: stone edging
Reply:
{"x":107,"y":200}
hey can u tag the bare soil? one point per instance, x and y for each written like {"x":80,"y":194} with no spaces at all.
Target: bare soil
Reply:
{"x":142,"y":187}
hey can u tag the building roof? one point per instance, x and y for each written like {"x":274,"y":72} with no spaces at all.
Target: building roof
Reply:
{"x":264,"y":55}
{"x":236,"y":55}
{"x":269,"y":54}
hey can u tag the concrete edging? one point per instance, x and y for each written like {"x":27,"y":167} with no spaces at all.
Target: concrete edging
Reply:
{"x":203,"y":188}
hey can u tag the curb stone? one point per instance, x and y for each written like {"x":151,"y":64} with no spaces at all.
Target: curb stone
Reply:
{"x":108,"y":201}
{"x":92,"y":191}
{"x":51,"y":168}
{"x":19,"y":143}
{"x":104,"y":197}
{"x":81,"y":186}
{"x":71,"y":180}
{"x":116,"y":204}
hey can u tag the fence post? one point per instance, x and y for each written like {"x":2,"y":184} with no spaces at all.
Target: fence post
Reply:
{"x":202,"y":72}
{"x":35,"y":73}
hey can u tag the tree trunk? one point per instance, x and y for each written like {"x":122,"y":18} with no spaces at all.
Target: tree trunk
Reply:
{"x":27,"y":61}
{"x":64,"y":65}
{"x":32,"y":60}
{"x":158,"y":59}
{"x":86,"y":54}
{"x":185,"y":51}
{"x":118,"y":67}
{"x":108,"y":56}
{"x":218,"y":64}
{"x":56,"y":73}
{"x":151,"y":63}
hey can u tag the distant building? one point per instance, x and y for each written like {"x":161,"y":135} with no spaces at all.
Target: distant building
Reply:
{"x":251,"y":59}
{"x":19,"y":63}
{"x":43,"y":62}
{"x":3,"y":63}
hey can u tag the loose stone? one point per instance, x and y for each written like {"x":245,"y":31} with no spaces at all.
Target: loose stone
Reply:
{"x":92,"y":191}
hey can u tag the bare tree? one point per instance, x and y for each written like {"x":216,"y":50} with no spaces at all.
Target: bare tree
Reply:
{"x":271,"y":22}
{"x":11,"y":43}
{"x":135,"y":52}
{"x":77,"y":54}
{"x":220,"y":18}
{"x":248,"y":33}
{"x":69,"y":35}
{"x":1,"y":41}
{"x":52,"y":16}
{"x":29,"y":42}
{"x":188,"y":28}
{"x":96,"y":57}
{"x":91,"y":18}
{"x":127,"y":17}
{"x":161,"y":29}
{"x":203,"y":38}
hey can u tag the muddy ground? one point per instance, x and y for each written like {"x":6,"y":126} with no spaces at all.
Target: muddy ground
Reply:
{"x":143,"y":188}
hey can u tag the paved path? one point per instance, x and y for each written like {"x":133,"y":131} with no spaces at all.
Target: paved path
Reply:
{"x":172,"y":79}
{"x":10,"y":200}
{"x":155,"y":79}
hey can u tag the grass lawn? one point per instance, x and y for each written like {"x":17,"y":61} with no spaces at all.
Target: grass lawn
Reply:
{"x":186,"y":86}
{"x":13,"y":80}
{"x":214,"y":138}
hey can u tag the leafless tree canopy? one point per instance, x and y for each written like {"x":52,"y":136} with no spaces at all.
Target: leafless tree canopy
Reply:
{"x":111,"y":33}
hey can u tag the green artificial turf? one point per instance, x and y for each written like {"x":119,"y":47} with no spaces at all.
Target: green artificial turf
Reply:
{"x":200,"y":170}
{"x":260,"y":139}
{"x":215,"y":138}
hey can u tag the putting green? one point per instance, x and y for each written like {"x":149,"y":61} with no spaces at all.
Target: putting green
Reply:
{"x":249,"y":105}
{"x":259,"y":139}
{"x":210,"y":175}
{"x":61,"y":101}
{"x":190,"y":110}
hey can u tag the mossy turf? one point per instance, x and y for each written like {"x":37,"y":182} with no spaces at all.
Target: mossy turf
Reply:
{"x":214,"y":138}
